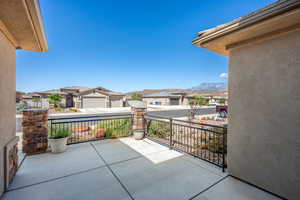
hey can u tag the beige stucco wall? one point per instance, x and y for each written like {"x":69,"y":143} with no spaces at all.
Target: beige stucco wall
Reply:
{"x":7,"y":99}
{"x":264,"y":124}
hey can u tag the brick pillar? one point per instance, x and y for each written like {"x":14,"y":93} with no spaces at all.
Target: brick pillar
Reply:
{"x":35,"y":131}
{"x":138,"y":121}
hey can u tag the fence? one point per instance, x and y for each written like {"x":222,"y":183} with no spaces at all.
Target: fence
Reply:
{"x":89,"y":128}
{"x":205,"y":141}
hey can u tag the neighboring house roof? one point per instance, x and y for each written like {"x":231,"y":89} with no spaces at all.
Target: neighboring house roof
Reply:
{"x":31,"y":95}
{"x":163,"y":94}
{"x":66,"y":90}
{"x":276,"y":18}
{"x":47,"y":92}
{"x":80,"y":88}
{"x":21,"y":23}
{"x":101,"y":91}
{"x":80,"y":91}
{"x":96,"y":94}
{"x":19,"y":92}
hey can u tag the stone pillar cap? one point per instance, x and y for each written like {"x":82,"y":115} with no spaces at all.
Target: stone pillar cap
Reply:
{"x":137,"y":104}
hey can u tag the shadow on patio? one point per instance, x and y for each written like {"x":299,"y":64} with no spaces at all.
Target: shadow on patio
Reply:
{"x":124,"y":169}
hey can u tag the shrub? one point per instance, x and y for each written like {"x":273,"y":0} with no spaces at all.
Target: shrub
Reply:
{"x":20,"y":107}
{"x":222,"y":101}
{"x":59,"y":109}
{"x":159,"y":129}
{"x":137,"y":97}
{"x":73,"y":109}
{"x":114,"y":127}
{"x":60,"y":132}
{"x":201,"y":101}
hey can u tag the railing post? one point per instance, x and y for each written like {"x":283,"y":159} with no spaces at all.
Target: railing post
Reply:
{"x":224,"y":146}
{"x":145,"y":126}
{"x":50,"y":127}
{"x":132,"y":116}
{"x":171,"y":133}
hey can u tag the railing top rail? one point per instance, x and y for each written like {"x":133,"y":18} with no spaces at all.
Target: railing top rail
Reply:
{"x":198,"y":123}
{"x":158,"y":119}
{"x":92,"y":117}
{"x":55,"y":121}
{"x":147,"y":116}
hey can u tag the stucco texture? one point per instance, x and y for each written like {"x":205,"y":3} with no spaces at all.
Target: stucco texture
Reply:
{"x":7,"y":99}
{"x":264,"y":124}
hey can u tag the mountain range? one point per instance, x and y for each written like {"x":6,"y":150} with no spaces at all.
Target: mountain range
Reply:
{"x":213,"y":87}
{"x":220,"y":86}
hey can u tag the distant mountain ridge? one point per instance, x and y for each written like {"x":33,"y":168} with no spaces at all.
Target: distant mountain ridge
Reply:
{"x":214,"y":87}
{"x":221,"y":86}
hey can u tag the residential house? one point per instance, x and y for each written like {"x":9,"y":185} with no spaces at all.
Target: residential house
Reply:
{"x":40,"y":99}
{"x":21,"y":27}
{"x":164,"y":98}
{"x":99,"y":98}
{"x":264,"y":69}
{"x":68,"y":93}
{"x":79,"y":97}
{"x":35,"y":100}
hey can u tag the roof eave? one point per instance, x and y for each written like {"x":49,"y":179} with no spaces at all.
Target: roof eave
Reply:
{"x":33,"y":7}
{"x":21,"y":23}
{"x":273,"y":10}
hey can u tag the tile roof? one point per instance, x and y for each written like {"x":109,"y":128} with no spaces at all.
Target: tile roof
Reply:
{"x":163,"y":94}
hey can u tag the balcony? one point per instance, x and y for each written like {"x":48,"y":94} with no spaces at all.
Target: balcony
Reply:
{"x":124,"y":168}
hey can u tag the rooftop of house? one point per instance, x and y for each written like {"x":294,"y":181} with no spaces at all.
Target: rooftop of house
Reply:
{"x":57,"y":91}
{"x":31,"y":95}
{"x":76,"y":90}
{"x":275,"y":18}
{"x":163,"y":94}
{"x":102,"y":91}
{"x":80,"y":88}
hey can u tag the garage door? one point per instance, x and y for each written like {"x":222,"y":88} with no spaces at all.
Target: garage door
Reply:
{"x":174,"y":101}
{"x":116,"y":103}
{"x":93,"y":102}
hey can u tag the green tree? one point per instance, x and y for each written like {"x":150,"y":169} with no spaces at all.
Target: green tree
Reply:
{"x":195,"y":105}
{"x":55,"y":99}
{"x":222,"y":101}
{"x":137,"y":97}
{"x":200,"y":101}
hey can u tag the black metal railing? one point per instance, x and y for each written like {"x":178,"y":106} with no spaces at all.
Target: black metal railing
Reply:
{"x":89,"y":128}
{"x":205,"y":141}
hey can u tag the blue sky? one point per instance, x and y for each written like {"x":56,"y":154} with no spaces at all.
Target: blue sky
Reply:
{"x":128,"y":45}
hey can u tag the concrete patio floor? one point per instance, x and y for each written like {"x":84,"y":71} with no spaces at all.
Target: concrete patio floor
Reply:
{"x":124,"y":169}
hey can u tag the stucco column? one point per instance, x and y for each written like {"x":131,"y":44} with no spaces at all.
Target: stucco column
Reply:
{"x":35,"y":131}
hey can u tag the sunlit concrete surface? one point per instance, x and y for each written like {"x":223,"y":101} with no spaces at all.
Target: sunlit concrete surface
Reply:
{"x":124,"y":169}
